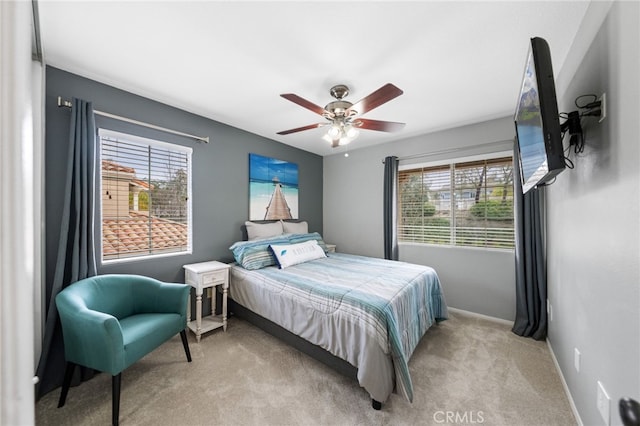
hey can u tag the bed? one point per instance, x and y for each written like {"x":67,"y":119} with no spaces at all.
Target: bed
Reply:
{"x":371,"y":313}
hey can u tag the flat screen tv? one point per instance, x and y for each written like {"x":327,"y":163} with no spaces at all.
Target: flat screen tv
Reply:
{"x":541,"y":156}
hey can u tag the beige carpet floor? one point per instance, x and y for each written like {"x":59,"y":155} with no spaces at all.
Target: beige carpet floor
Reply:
{"x":467,"y":370}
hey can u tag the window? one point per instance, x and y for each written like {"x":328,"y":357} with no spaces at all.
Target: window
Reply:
{"x":145,"y":197}
{"x":462,"y":204}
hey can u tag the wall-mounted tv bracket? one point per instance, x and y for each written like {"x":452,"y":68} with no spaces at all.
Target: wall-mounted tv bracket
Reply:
{"x":573,"y":123}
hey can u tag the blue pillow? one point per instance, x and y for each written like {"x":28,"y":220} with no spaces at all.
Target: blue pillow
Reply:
{"x":256,"y":254}
{"x":301,"y":238}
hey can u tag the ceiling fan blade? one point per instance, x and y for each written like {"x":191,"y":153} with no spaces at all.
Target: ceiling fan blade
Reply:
{"x":304,"y":103}
{"x":380,"y":126}
{"x":300,"y":129}
{"x":377,"y":98}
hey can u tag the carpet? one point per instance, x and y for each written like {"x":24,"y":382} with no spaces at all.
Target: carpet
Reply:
{"x":466,"y":370}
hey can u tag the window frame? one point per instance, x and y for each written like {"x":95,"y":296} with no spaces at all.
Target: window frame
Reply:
{"x":128,"y":137}
{"x":450,"y":162}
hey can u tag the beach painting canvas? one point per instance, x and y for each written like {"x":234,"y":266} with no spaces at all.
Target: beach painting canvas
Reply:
{"x":273,"y":188}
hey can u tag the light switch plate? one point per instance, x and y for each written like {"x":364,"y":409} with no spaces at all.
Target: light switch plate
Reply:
{"x":603,"y":107}
{"x":604,"y":404}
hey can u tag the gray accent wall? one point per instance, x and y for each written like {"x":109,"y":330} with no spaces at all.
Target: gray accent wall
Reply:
{"x":481,"y":281}
{"x":593,"y":220}
{"x":220,"y":170}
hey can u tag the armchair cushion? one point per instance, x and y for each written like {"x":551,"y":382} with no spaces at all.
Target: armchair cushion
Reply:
{"x":111,"y":321}
{"x":143,"y":333}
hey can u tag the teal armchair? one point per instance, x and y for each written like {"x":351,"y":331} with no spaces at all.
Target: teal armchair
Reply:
{"x":111,"y":321}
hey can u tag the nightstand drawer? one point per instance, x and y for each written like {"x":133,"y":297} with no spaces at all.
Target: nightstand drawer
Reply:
{"x":215,"y":277}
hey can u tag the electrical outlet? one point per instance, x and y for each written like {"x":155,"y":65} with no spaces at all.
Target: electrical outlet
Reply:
{"x":576,"y":359}
{"x":549,"y":310}
{"x":603,"y":107}
{"x":604,"y":404}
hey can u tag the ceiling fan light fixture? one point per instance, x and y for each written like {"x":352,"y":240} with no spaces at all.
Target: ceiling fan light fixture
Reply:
{"x":342,"y":132}
{"x":327,"y":138}
{"x":335,"y":131}
{"x":352,"y":132}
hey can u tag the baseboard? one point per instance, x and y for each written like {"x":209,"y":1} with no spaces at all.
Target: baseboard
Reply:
{"x":486,"y":317}
{"x":574,"y":409}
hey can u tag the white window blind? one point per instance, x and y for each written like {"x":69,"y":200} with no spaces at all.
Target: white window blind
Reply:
{"x":462,"y":204}
{"x":145,"y":197}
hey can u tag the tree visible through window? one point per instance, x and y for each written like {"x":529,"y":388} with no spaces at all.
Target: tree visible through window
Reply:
{"x":145,"y":202}
{"x":463,"y":204}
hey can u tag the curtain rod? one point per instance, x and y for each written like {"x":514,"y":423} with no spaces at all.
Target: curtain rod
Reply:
{"x":451,"y":150}
{"x":68,"y":104}
{"x":37,"y":38}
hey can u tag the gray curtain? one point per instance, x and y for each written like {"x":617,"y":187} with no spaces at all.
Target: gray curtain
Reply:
{"x":531,"y":270}
{"x":76,"y":250}
{"x":390,"y":208}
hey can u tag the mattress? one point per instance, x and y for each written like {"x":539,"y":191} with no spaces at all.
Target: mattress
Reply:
{"x":369,"y":312}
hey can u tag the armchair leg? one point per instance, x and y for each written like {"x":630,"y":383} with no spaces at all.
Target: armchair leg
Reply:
{"x":68,"y":375}
{"x":377,"y":405}
{"x":185,"y":343}
{"x":115,"y":398}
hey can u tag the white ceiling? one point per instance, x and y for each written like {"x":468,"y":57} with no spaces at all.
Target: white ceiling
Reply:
{"x":457,"y":62}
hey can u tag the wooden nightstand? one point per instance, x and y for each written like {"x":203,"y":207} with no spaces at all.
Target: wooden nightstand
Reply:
{"x":207,"y":275}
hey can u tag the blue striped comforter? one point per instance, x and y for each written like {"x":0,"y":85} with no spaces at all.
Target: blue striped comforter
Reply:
{"x":397,"y":302}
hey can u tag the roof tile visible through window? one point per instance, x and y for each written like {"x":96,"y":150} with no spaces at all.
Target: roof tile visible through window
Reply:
{"x":133,"y":233}
{"x":115,"y":167}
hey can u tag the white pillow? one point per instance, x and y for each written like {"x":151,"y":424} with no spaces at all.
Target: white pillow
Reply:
{"x":295,"y":227}
{"x":293,"y":254}
{"x":263,"y":230}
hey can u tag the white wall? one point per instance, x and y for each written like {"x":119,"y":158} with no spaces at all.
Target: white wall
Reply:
{"x":19,"y":201}
{"x":593,"y":223}
{"x":477,"y":280}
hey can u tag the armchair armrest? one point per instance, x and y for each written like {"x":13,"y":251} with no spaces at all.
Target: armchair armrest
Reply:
{"x":91,"y":338}
{"x":172,"y":297}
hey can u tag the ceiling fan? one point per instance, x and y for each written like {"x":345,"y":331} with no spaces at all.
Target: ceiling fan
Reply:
{"x":344,"y":117}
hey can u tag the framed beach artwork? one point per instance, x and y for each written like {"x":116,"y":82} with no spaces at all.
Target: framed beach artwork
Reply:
{"x":273,"y":188}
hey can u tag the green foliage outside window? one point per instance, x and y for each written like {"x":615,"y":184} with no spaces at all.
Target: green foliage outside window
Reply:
{"x":493,"y":210}
{"x":462,"y":204}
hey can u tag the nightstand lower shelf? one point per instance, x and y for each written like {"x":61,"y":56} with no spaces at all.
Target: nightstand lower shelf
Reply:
{"x":210,"y":322}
